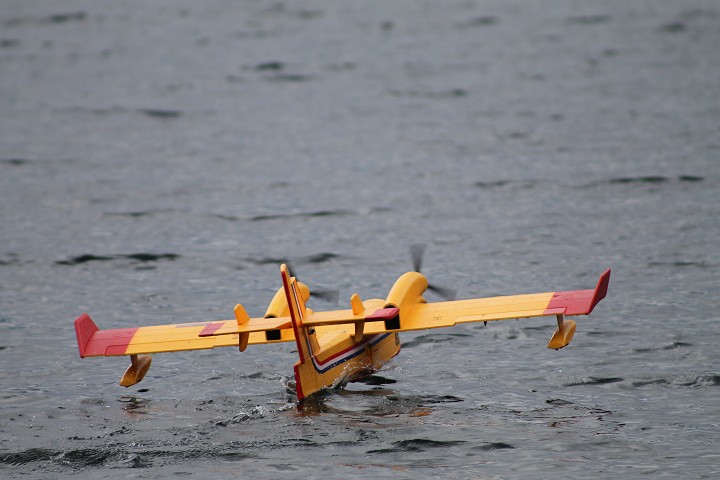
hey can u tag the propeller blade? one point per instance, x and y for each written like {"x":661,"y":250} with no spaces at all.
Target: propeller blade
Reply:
{"x":446,"y":293}
{"x":416,"y":252}
{"x":330,"y":296}
{"x":290,"y":268}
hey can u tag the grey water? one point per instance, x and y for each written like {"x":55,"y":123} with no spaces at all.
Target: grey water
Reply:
{"x":158,"y":160}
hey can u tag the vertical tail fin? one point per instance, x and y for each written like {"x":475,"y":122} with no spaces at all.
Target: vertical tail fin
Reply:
{"x":297,"y":309}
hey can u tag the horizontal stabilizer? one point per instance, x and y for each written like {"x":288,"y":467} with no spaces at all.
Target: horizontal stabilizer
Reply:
{"x":314,"y":319}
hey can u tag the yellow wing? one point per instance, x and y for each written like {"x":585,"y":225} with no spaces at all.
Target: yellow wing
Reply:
{"x":376,"y":316}
{"x":94,"y":342}
{"x":404,"y":309}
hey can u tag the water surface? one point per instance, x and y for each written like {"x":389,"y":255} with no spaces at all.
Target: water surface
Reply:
{"x":158,"y":161}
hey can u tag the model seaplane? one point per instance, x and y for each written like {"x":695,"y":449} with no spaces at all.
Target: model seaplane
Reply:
{"x":339,"y":345}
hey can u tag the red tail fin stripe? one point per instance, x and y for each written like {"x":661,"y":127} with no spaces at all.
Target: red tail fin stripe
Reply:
{"x":298,"y":305}
{"x":296,"y":328}
{"x":298,"y":384}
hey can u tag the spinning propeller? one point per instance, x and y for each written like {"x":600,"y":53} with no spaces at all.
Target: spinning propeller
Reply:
{"x":417,"y":251}
{"x":329,"y":295}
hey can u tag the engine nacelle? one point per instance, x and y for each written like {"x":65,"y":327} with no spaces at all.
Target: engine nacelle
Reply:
{"x":278,"y":306}
{"x":408,"y":290}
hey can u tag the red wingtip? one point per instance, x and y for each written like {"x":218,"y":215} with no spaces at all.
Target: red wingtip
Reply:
{"x":85,"y":328}
{"x":579,"y":302}
{"x":600,"y":290}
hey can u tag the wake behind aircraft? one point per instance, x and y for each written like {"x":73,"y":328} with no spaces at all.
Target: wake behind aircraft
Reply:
{"x":335,"y":346}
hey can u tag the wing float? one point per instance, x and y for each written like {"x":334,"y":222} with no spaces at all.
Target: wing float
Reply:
{"x":339,"y":345}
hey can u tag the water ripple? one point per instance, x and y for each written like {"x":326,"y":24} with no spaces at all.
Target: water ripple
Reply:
{"x":494,"y":446}
{"x":55,"y":18}
{"x":588,"y":19}
{"x":283,"y":216}
{"x":28,"y":456}
{"x":313,"y":259}
{"x":138,"y":257}
{"x":595,"y":381}
{"x":671,"y":346}
{"x":416,"y":445}
{"x":645,"y":180}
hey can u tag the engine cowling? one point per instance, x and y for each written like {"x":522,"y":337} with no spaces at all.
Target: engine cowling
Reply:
{"x":278,"y":306}
{"x":408,"y":290}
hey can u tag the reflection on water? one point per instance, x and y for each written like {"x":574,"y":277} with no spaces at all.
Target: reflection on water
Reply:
{"x":373,"y":402}
{"x":134,"y":405}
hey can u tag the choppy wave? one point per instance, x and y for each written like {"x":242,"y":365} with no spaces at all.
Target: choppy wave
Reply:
{"x":671,"y":346}
{"x":680,"y":263}
{"x":588,"y":19}
{"x":15,"y":162}
{"x":377,"y":380}
{"x":74,"y":458}
{"x":646,"y":180}
{"x":416,"y":445}
{"x":495,"y":446}
{"x":301,"y":215}
{"x":595,"y":381}
{"x":9,"y":260}
{"x":432,"y":94}
{"x":55,"y":18}
{"x":433,"y":338}
{"x":283,"y":216}
{"x":141,"y":213}
{"x":710,"y":379}
{"x":481,"y":21}
{"x":508,"y":184}
{"x":683,"y":381}
{"x":105,"y":111}
{"x":531,"y":183}
{"x":159,"y":113}
{"x":136,"y":257}
{"x":313,"y":259}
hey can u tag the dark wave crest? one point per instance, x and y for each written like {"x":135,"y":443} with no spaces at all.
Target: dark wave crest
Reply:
{"x":137,"y":257}
{"x":416,"y":445}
